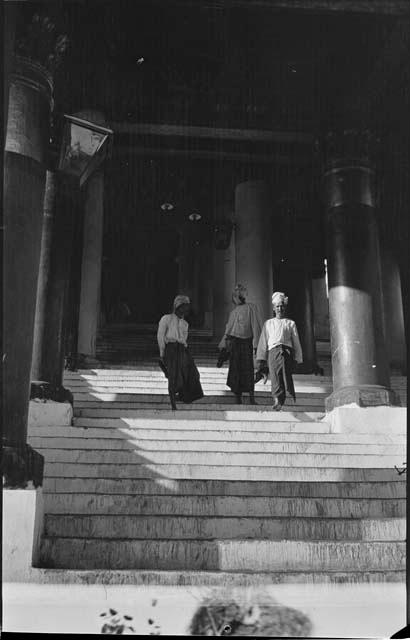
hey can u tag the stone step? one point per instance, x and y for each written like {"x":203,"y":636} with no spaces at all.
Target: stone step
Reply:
{"x":161,"y":386}
{"x":226,"y":458}
{"x":250,"y":446}
{"x":222,"y":506}
{"x":213,"y":384}
{"x":139,"y":409}
{"x":222,"y":555}
{"x":151,"y":367}
{"x":187,"y":432}
{"x":198,"y":421}
{"x":224,"y":579}
{"x":152,"y":370}
{"x":169,"y":472}
{"x":117,"y":408}
{"x":377,"y":490}
{"x":126,"y":527}
{"x":159,"y":395}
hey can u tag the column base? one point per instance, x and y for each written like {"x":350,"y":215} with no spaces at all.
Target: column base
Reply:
{"x":386,"y":421}
{"x":366,"y":395}
{"x":47,"y":391}
{"x":21,"y":465}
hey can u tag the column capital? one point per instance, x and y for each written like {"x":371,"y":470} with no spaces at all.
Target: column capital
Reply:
{"x":32,"y":74}
{"x":39,"y":41}
{"x":357,"y":147}
{"x":349,"y":176}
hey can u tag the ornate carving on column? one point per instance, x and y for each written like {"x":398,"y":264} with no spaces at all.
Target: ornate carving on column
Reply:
{"x":360,"y":371}
{"x":26,"y":152}
{"x":40,"y":42}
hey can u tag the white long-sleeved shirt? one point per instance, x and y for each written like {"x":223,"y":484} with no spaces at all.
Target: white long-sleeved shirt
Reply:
{"x":243,"y":322}
{"x":171,"y":329}
{"x":278,"y":331}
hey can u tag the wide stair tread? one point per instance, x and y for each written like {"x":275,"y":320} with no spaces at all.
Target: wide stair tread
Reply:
{"x":215,"y":491}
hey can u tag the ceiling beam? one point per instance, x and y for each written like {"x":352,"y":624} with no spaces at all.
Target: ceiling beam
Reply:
{"x":244,"y":135}
{"x":205,"y":154}
{"x":386,"y":7}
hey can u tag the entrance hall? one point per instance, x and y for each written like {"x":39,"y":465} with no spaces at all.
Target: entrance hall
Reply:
{"x":182,"y":147}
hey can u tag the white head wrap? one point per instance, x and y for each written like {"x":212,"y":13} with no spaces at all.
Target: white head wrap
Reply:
{"x":181,"y":300}
{"x":241,"y":291}
{"x":278,"y":296}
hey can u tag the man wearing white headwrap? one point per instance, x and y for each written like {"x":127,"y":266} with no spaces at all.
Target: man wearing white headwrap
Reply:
{"x":175,"y":359}
{"x":240,"y":341}
{"x":279,"y":346}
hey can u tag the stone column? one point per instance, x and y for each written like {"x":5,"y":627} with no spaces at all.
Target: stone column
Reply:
{"x":294,"y":277}
{"x":359,"y":363}
{"x":91,"y":266}
{"x":253,"y":243}
{"x":53,"y":286}
{"x":28,"y":133}
{"x":393,"y":310}
{"x":189,"y":268}
{"x":185,"y":263}
{"x":44,"y":274}
{"x":10,"y":14}
{"x":206,"y":285}
{"x":304,"y":317}
{"x":321,"y":306}
{"x":224,"y":274}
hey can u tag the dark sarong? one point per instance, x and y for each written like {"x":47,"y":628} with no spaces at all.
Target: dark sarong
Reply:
{"x":280,"y":369}
{"x":183,"y":376}
{"x":240,"y":374}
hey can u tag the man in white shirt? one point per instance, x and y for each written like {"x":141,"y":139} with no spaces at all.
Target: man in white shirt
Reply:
{"x":279,"y":346}
{"x":175,"y":359}
{"x":240,"y":340}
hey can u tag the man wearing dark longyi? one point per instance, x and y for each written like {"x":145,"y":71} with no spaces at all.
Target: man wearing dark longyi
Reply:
{"x":175,"y":360}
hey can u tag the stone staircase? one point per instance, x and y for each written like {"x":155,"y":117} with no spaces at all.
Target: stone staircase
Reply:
{"x":217,"y":492}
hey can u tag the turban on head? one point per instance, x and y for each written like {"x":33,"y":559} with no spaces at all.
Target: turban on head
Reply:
{"x":239,"y":292}
{"x":278,"y":296}
{"x":179,"y":300}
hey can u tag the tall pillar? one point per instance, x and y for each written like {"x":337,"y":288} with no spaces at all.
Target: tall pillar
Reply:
{"x":186,"y":267}
{"x":303,"y":313}
{"x":206,"y":285}
{"x":359,"y":363}
{"x":10,"y":13}
{"x":190,"y":268}
{"x":321,"y":307}
{"x":44,"y":274}
{"x":252,"y":242}
{"x":53,"y":284}
{"x":91,"y":264}
{"x":224,"y":274}
{"x":30,"y":96}
{"x":294,"y":277}
{"x":392,"y":309}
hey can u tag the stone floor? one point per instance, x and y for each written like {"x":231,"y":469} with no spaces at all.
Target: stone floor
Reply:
{"x":363,"y":610}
